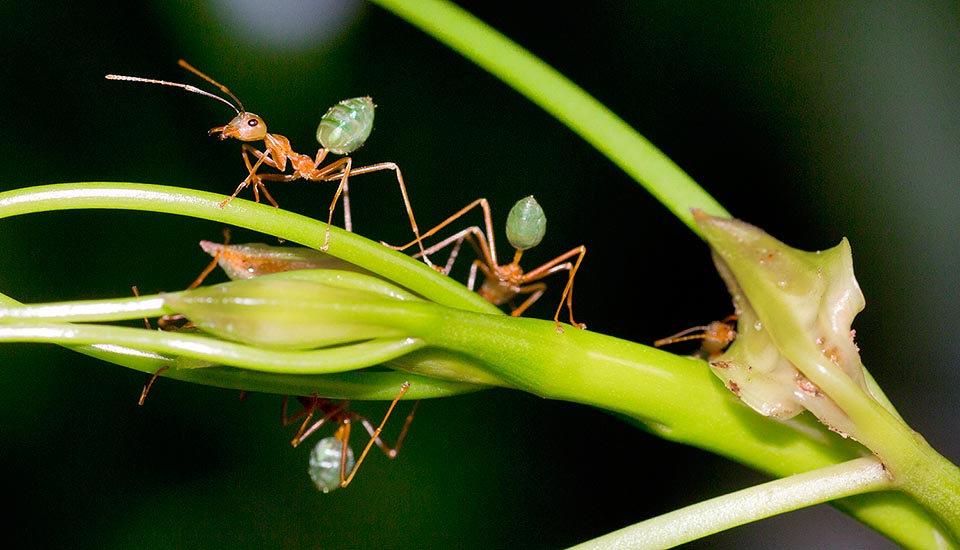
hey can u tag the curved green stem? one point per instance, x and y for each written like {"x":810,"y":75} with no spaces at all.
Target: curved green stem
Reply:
{"x":762,"y":501}
{"x":563,"y":99}
{"x":204,"y":351}
{"x":289,"y":226}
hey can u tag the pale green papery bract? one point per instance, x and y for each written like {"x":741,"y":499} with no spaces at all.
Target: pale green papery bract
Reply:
{"x":786,"y":299}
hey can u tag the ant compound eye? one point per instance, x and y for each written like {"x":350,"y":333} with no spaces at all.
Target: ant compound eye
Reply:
{"x":253,"y":123}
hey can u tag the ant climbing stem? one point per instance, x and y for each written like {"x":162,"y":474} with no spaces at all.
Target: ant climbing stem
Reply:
{"x":338,"y":412}
{"x":343,"y":129}
{"x":716,"y":336}
{"x":526,"y":226}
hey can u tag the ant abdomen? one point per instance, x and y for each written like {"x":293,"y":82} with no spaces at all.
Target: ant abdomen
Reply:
{"x":326,"y":462}
{"x":526,"y":224}
{"x":346,"y":125}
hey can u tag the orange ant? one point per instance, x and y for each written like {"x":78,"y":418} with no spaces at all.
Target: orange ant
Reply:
{"x":332,"y":457}
{"x":716,"y":337}
{"x":343,"y":129}
{"x":526,"y":225}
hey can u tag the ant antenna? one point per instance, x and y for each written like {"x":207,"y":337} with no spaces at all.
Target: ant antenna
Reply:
{"x":683,"y":336}
{"x":187,"y":87}
{"x":223,"y":88}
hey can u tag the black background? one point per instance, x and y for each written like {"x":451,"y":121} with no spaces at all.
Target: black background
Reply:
{"x":812,"y":120}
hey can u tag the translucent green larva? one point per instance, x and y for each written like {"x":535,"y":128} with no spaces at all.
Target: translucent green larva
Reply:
{"x":526,"y":224}
{"x":346,"y":125}
{"x":325,"y":463}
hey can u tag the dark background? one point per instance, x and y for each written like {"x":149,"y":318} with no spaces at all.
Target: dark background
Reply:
{"x":812,"y":120}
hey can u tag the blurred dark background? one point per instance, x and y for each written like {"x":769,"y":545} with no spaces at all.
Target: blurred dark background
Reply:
{"x":812,"y":120}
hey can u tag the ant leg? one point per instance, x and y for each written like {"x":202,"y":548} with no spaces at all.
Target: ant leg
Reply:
{"x":146,"y":388}
{"x":310,"y":406}
{"x":347,"y":218}
{"x":553,"y":266}
{"x":344,"y":481}
{"x":391,"y":452}
{"x":568,"y":291}
{"x":338,"y":169}
{"x":403,"y":192}
{"x":136,"y":292}
{"x":472,"y":278}
{"x":452,"y":258}
{"x":457,"y":240}
{"x":716,"y":336}
{"x":487,"y":248}
{"x":213,"y":264}
{"x":252,"y":176}
{"x":681,"y":336}
{"x":346,"y":163}
{"x":535,"y":291}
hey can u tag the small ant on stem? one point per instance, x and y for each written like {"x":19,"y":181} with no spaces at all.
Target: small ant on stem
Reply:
{"x":343,"y":129}
{"x":526,"y":225}
{"x":334,"y":453}
{"x":716,"y":336}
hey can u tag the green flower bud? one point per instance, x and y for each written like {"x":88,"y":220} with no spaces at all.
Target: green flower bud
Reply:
{"x":297,"y":310}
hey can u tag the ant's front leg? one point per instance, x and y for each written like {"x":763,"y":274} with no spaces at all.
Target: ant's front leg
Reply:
{"x":252,"y":176}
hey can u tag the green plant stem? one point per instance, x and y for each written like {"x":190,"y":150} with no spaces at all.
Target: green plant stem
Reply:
{"x":193,"y":363}
{"x":561,"y":98}
{"x":286,"y":225}
{"x":738,"y":508}
{"x":675,"y":397}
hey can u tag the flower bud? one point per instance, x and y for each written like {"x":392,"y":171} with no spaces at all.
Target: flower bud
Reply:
{"x":296,"y":310}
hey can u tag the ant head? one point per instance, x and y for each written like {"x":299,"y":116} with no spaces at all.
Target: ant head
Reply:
{"x":717,"y":335}
{"x":244,"y":127}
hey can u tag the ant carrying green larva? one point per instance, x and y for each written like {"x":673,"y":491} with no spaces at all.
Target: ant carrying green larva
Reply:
{"x":332,"y":457}
{"x":526,"y":226}
{"x":342,"y":130}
